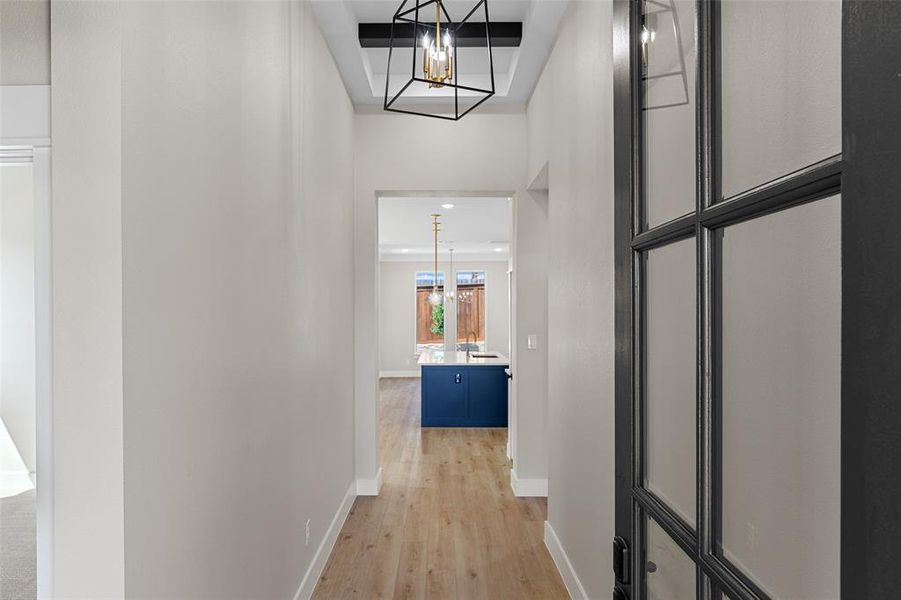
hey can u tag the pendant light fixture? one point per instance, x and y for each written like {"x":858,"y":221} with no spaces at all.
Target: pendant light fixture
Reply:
{"x":435,"y":87}
{"x":436,"y":298}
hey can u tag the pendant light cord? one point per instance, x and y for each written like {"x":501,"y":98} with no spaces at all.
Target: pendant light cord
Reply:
{"x":435,"y":228}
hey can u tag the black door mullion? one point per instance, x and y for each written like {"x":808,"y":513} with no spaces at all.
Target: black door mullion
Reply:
{"x":707,"y":145}
{"x":814,"y":182}
{"x":707,"y":479}
{"x":627,"y":172}
{"x":681,"y":532}
{"x":639,"y":337}
{"x":730,"y":580}
{"x":671,"y":231}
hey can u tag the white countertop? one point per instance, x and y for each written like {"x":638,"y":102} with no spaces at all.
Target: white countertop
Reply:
{"x":437,"y":358}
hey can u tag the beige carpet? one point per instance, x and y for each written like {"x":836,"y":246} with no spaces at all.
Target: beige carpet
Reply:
{"x":17,"y":547}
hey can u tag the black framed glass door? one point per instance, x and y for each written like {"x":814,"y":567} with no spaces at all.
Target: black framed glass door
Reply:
{"x":733,"y":224}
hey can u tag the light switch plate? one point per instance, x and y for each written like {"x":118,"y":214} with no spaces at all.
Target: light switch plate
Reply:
{"x":532,"y":341}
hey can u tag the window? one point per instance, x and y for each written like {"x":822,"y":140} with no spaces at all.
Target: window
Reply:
{"x":471,"y":310}
{"x":429,"y":319}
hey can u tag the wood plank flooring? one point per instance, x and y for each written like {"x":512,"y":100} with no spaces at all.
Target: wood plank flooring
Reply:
{"x":446,"y":524}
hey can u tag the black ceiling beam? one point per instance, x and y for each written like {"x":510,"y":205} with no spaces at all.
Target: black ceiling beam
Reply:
{"x":469,"y":35}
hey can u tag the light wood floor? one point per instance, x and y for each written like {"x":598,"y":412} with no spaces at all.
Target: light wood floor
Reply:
{"x":446,"y":524}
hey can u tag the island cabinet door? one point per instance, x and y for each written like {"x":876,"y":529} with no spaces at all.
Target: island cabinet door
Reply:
{"x":444,"y":396}
{"x":488,"y":396}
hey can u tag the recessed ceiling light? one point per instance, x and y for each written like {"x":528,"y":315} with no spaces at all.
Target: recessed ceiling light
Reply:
{"x":498,"y":249}
{"x":448,"y":206}
{"x":404,"y":250}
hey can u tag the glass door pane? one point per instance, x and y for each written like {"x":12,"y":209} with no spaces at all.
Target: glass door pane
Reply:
{"x":670,"y":409}
{"x":668,"y":56}
{"x":781,"y":88}
{"x":470,"y":299}
{"x":781,"y":397}
{"x":670,"y":574}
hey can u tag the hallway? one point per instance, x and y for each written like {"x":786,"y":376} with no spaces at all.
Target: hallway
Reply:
{"x":446,"y":524}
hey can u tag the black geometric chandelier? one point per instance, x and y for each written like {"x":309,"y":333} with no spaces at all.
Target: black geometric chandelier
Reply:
{"x":438,"y":67}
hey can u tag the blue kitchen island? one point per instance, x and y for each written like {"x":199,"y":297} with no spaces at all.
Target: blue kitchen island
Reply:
{"x":463,"y":391}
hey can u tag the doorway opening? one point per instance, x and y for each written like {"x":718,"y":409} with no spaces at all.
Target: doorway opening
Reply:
{"x":26,"y":460}
{"x":445,"y":521}
{"x":24,"y":370}
{"x":457,"y":301}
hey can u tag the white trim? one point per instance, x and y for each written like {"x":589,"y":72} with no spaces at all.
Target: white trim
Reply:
{"x":16,"y":154}
{"x":567,"y":572}
{"x":384,"y":374}
{"x":43,"y":313}
{"x":32,"y":142}
{"x":311,"y":577}
{"x":492,"y":257}
{"x":370,"y":487}
{"x":450,"y":194}
{"x":528,"y":488}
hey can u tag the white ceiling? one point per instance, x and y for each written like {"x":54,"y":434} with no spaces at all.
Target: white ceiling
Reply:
{"x":381,"y":11}
{"x":476,"y":228}
{"x":516,"y":70}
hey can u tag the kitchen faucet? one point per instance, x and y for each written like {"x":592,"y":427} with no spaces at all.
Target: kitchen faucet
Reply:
{"x":474,"y":341}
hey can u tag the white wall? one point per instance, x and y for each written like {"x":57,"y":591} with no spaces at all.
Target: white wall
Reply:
{"x":237,"y":329}
{"x":217,"y":142}
{"x":529,"y":384}
{"x":24,"y":42}
{"x":480,"y":153}
{"x":17,"y":308}
{"x":570,"y":123}
{"x":87,"y":301}
{"x":397,"y":309}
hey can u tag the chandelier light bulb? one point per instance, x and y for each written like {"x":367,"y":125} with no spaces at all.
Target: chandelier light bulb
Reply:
{"x":437,"y":64}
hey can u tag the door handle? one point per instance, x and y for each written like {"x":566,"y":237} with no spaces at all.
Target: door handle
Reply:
{"x":458,"y":378}
{"x":621,"y":559}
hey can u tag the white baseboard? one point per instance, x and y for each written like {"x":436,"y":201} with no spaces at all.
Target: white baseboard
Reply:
{"x":387,"y":374}
{"x":311,"y":577}
{"x":570,"y":579}
{"x":528,"y":488}
{"x":370,"y":487}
